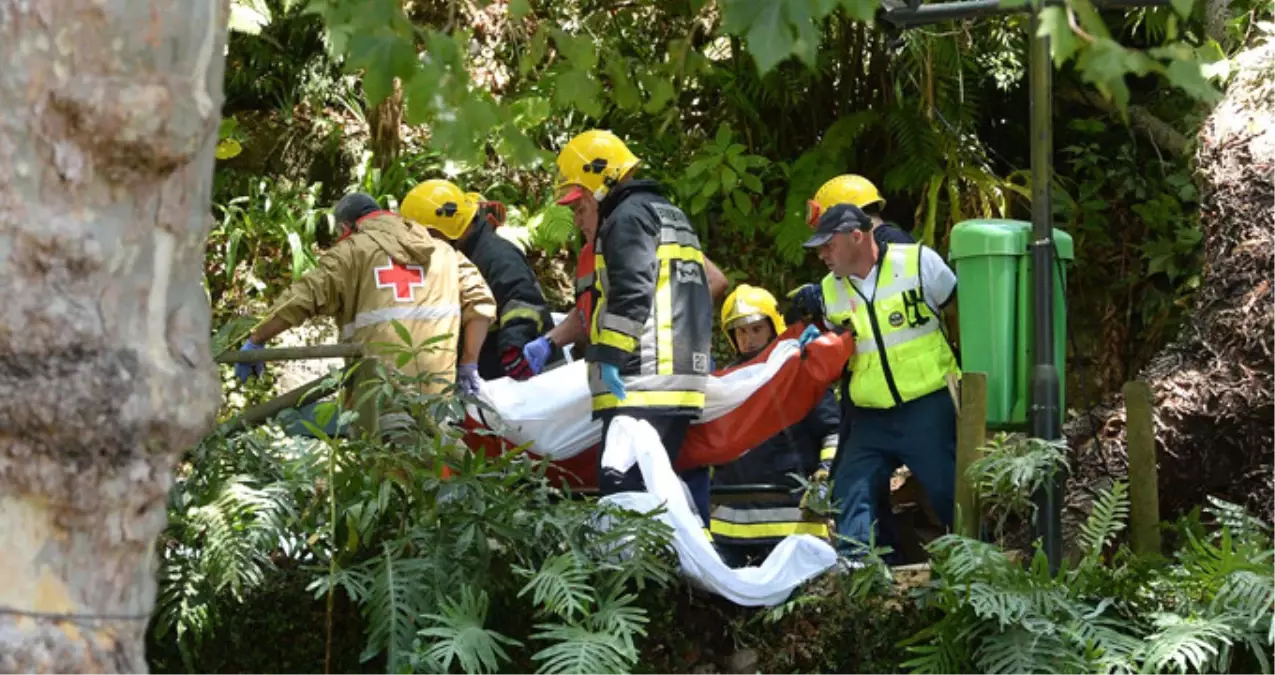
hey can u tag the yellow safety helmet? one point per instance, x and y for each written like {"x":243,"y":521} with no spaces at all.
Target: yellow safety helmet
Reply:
{"x":750,"y":304}
{"x":440,"y":205}
{"x":846,"y":188}
{"x":593,"y":161}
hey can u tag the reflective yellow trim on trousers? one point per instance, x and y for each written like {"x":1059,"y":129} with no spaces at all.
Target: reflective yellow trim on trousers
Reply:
{"x":664,"y":321}
{"x":650,"y":399}
{"x":620,"y":341}
{"x":766,"y":530}
{"x":828,"y":454}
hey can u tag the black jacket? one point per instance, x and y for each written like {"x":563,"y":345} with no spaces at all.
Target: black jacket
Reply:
{"x":653,"y":315}
{"x":889,"y":233}
{"x":521,"y":312}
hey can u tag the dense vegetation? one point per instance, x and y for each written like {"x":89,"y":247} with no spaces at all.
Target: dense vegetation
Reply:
{"x":293,"y":553}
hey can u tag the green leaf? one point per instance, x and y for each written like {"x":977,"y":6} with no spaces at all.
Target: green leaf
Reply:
{"x":806,"y":45}
{"x":578,"y":88}
{"x":535,"y":51}
{"x":228,"y":148}
{"x":519,"y":8}
{"x":623,"y":91}
{"x":768,"y":37}
{"x":403,"y":334}
{"x":751,"y":182}
{"x":729,"y":179}
{"x":1062,"y":41}
{"x":1183,"y":7}
{"x":659,"y":91}
{"x":860,"y":10}
{"x":578,"y":50}
{"x":1188,"y":75}
{"x":530,"y":112}
{"x":696,"y":168}
{"x":382,"y":56}
{"x":742,"y":202}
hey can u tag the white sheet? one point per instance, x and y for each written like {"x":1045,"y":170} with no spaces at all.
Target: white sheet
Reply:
{"x":794,"y":561}
{"x":553,"y":411}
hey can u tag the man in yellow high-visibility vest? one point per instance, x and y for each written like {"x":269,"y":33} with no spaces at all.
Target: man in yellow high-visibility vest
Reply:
{"x":890,"y":296}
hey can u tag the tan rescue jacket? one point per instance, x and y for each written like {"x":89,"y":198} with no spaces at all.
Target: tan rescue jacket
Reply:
{"x":391,"y":270}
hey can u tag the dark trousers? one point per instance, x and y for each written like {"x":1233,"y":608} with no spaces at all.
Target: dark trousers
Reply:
{"x":921,"y":434}
{"x":672,"y":432}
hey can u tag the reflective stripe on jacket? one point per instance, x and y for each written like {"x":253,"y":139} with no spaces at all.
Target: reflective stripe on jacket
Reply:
{"x":900,"y":352}
{"x":653,"y":314}
{"x":522,"y":314}
{"x":802,"y":448}
{"x":392,"y":271}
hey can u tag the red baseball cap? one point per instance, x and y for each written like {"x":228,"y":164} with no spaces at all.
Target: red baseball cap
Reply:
{"x":573,"y":194}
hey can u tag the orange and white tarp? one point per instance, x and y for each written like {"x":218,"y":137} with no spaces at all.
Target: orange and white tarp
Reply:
{"x":551,"y":413}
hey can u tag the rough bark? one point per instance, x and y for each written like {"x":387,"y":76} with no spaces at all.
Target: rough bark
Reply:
{"x":1213,"y":385}
{"x":106,"y":151}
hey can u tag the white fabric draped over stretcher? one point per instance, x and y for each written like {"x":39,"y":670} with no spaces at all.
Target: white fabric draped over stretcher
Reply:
{"x":553,"y":411}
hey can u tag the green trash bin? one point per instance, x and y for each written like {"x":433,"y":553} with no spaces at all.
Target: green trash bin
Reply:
{"x":994,"y":271}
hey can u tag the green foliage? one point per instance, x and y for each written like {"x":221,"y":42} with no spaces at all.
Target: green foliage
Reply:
{"x":1209,"y":611}
{"x":374,"y":520}
{"x":1010,"y":472}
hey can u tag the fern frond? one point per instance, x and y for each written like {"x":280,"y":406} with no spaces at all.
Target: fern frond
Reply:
{"x":579,"y":650}
{"x":396,"y":598}
{"x":560,"y":586}
{"x":1235,"y":518}
{"x":1020,"y":650}
{"x":1247,"y":594}
{"x":617,"y":615}
{"x":239,"y":528}
{"x":1110,"y":511}
{"x":1187,"y":644}
{"x":459,"y":634}
{"x":961,"y":560}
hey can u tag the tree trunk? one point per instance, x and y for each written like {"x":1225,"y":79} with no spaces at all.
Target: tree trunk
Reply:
{"x":1213,"y":385}
{"x":110,"y":114}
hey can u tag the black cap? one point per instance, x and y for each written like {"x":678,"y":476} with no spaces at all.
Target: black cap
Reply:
{"x":354,"y":206}
{"x":840,"y":218}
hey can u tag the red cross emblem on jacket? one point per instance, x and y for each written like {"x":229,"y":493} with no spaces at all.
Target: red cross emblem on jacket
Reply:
{"x":402,"y":278}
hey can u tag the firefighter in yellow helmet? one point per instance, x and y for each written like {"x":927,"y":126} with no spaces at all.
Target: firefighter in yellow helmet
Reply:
{"x":384,"y":269}
{"x":745,"y":532}
{"x":470,"y":224}
{"x":650,"y":323}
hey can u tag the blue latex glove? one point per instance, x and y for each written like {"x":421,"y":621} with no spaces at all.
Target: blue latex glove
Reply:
{"x":807,"y":301}
{"x":243,"y":371}
{"x":611,"y":377}
{"x":808,"y":335}
{"x":537,"y":353}
{"x":467,"y":378}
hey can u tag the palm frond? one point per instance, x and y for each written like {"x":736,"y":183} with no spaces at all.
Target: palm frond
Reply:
{"x":1188,"y":644}
{"x":398,"y":595}
{"x":560,"y":586}
{"x":576,"y":649}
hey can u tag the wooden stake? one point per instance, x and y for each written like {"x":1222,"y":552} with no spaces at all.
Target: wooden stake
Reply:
{"x":307,"y":393}
{"x":1144,"y":491}
{"x":971,"y":436}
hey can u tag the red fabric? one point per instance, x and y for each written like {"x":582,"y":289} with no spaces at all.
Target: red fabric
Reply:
{"x":584,"y":267}
{"x":783,"y":401}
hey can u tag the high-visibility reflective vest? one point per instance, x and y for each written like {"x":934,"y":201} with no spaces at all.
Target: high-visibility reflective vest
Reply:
{"x":900,"y":352}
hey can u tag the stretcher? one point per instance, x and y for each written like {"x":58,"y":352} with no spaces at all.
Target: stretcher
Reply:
{"x":550,"y":415}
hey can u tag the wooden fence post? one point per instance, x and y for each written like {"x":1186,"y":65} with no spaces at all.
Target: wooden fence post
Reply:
{"x":971,"y":436}
{"x":1144,"y":491}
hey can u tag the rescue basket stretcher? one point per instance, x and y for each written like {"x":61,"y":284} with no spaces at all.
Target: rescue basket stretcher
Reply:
{"x":745,"y":405}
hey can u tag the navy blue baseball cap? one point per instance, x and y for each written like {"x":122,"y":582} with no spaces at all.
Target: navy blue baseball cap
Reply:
{"x":840,"y":218}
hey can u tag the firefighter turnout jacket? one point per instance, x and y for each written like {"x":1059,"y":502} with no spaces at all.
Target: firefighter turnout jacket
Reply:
{"x":900,"y":351}
{"x":521,"y":312}
{"x":389,"y":270}
{"x":803,"y":449}
{"x":653,"y":314}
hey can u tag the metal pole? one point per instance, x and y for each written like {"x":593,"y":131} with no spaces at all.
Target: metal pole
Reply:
{"x":1045,"y":418}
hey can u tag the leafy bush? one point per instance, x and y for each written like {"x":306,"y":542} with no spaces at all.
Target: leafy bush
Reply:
{"x":423,"y":539}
